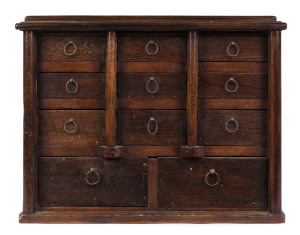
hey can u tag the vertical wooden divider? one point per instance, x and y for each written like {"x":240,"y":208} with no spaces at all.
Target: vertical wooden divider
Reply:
{"x":192,"y":88}
{"x":30,"y":176}
{"x":274,"y":122}
{"x":111,"y":90}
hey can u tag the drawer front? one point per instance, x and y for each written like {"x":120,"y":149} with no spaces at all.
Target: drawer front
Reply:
{"x":232,"y":85}
{"x":69,"y":127}
{"x":92,"y":181}
{"x":72,"y":48}
{"x":152,"y":48}
{"x":213,"y":183}
{"x":155,"y":85}
{"x":233,"y":48}
{"x":232,"y":127}
{"x":151,"y":127}
{"x":71,"y":85}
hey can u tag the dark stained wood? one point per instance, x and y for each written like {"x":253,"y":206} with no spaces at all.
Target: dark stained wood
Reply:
{"x":122,"y":182}
{"x":30,"y":123}
{"x":151,"y":103}
{"x":233,"y":103}
{"x":111,"y":152}
{"x":242,"y":183}
{"x":152,"y":85}
{"x":214,"y":48}
{"x":235,"y":67}
{"x":235,"y":151}
{"x":71,"y":103}
{"x":71,"y":67}
{"x":152,"y":183}
{"x":191,"y":152}
{"x":151,"y":67}
{"x":89,"y":131}
{"x":111,"y":89}
{"x":274,"y":122}
{"x":152,"y":151}
{"x":192,"y":88}
{"x":251,"y":128}
{"x":249,"y":86}
{"x":133,"y":127}
{"x":88,"y":48}
{"x":134,"y":48}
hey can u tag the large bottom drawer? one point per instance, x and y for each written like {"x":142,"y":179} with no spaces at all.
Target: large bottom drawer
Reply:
{"x":213,"y":183}
{"x":93,"y":182}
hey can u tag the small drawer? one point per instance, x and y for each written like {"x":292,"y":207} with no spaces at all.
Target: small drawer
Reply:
{"x":233,"y":48}
{"x":232,"y":127}
{"x":232,"y":86}
{"x":71,"y":48}
{"x":69,"y":127}
{"x":67,"y":181}
{"x":151,"y":127}
{"x":151,"y":85}
{"x":213,"y":183}
{"x":152,"y":48}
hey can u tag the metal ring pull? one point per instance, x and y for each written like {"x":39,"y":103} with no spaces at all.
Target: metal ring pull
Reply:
{"x":237,"y":49}
{"x":152,"y":119}
{"x":235,"y":83}
{"x":156,"y":85}
{"x":156,"y":48}
{"x":68,"y":44}
{"x":92,"y":171}
{"x":76,"y":86}
{"x":67,"y":123}
{"x":212,"y":172}
{"x":236,"y":125}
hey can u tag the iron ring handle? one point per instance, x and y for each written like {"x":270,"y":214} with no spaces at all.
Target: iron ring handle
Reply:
{"x":237,"y":49}
{"x":156,"y":48}
{"x":236,"y":85}
{"x":92,"y":170}
{"x":76,"y":86}
{"x":73,"y":131}
{"x":152,"y":119}
{"x":212,"y":172}
{"x":156,"y":85}
{"x":66,"y":45}
{"x":236,"y":125}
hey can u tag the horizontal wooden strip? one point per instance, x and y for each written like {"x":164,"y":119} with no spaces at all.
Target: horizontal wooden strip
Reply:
{"x":232,"y":103}
{"x":151,"y":151}
{"x":155,"y":67}
{"x":233,"y":67}
{"x":130,"y":103}
{"x":76,"y":67}
{"x":71,"y":104}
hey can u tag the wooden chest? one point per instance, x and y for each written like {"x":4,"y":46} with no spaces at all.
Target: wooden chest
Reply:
{"x":152,"y":119}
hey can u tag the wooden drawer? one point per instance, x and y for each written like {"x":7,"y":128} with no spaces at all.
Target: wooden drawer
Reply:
{"x":69,"y":127}
{"x":71,"y":90}
{"x":232,"y":85}
{"x":71,"y":48}
{"x":152,"y":48}
{"x":233,"y":48}
{"x":239,"y":183}
{"x":232,"y":127}
{"x":155,"y":85}
{"x":151,"y":127}
{"x":92,"y":181}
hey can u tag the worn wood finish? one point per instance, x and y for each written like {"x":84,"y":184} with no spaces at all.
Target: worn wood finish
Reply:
{"x":244,"y":86}
{"x":215,"y":48}
{"x":133,"y":126}
{"x":122,"y":182}
{"x":87,"y":48}
{"x":235,"y":67}
{"x":89,"y":131}
{"x":151,"y":103}
{"x":152,"y":85}
{"x":233,"y":103}
{"x":251,"y":127}
{"x":274,"y":122}
{"x":71,"y":67}
{"x":160,"y":48}
{"x":242,"y":183}
{"x":72,"y":103}
{"x":30,"y":123}
{"x":151,"y":67}
{"x":152,"y":183}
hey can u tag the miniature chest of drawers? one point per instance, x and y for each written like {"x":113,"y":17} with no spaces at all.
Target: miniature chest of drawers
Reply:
{"x":154,"y":119}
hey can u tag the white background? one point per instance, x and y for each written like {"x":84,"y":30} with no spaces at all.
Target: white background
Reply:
{"x":11,"y":107}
